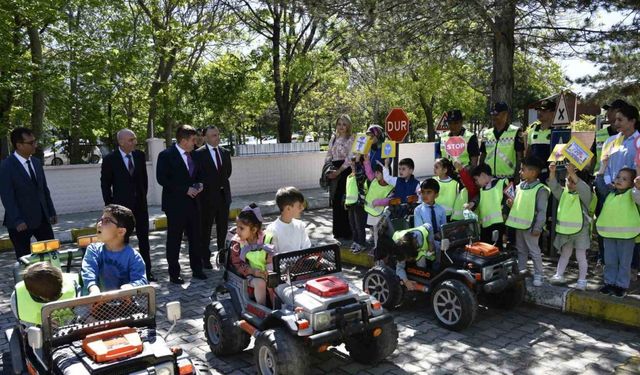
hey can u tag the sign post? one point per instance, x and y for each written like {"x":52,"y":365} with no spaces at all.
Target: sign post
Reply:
{"x":397,"y":126}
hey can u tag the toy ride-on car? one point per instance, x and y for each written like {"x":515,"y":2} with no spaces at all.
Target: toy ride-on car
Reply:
{"x":464,"y":270}
{"x":109,"y":333}
{"x":312,"y":308}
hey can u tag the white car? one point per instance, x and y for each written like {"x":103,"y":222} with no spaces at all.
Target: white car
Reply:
{"x":57,"y":155}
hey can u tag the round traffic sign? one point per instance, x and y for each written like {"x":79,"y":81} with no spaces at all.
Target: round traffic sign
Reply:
{"x":455,"y":146}
{"x":397,"y":124}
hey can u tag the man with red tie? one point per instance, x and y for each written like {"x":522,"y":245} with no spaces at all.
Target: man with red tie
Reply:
{"x":214,"y":170}
{"x":177,"y":173}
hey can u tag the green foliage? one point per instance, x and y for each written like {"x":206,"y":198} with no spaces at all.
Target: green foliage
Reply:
{"x":586,"y":123}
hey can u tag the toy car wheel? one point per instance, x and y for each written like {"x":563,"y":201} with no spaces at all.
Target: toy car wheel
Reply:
{"x":454,"y":304}
{"x":223,"y":337}
{"x":381,"y":283}
{"x":276,"y":351}
{"x":367,"y":349}
{"x":510,"y":297}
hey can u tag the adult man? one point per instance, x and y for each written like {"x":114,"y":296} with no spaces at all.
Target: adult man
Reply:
{"x":539,"y":134}
{"x":177,"y":172}
{"x":214,"y":170}
{"x":28,"y":208}
{"x":123,"y":179}
{"x":605,"y":135}
{"x":470,"y":155}
{"x":502,"y":146}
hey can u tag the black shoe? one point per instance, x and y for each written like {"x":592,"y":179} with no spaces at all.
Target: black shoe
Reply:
{"x":150,"y":277}
{"x":176,"y":280}
{"x":607,"y":289}
{"x":207,"y":265}
{"x":619,"y":292}
{"x":199,"y":275}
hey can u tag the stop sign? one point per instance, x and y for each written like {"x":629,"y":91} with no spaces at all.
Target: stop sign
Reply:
{"x":455,"y":146}
{"x":397,"y":124}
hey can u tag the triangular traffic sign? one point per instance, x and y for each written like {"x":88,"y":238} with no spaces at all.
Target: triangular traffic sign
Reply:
{"x":443,"y":125}
{"x":562,"y":116}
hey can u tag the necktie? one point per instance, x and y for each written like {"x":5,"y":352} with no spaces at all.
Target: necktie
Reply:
{"x":218,"y":159}
{"x":130,"y":164}
{"x":32,"y":174}
{"x":192,"y":167}
{"x":434,"y":222}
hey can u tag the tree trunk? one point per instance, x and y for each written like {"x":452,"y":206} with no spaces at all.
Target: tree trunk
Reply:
{"x":74,"y":149}
{"x":38,"y":99}
{"x":503,"y":51}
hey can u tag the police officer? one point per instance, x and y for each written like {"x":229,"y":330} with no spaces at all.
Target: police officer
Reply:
{"x":472,"y":151}
{"x":605,"y":134}
{"x":539,"y":134}
{"x":502,"y":147}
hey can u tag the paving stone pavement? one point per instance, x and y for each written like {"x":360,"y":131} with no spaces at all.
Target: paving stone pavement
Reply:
{"x":527,"y":340}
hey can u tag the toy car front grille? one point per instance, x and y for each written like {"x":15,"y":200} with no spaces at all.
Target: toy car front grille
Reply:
{"x":305,"y":264}
{"x":497,"y":270}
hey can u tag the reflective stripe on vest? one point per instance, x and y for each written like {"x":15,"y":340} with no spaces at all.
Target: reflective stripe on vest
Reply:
{"x":447,"y":195}
{"x":423,"y":251}
{"x":464,"y":158}
{"x":351,"y":192}
{"x":376,"y":191}
{"x":569,"y":218}
{"x":29,"y":310}
{"x":523,"y":209}
{"x":458,"y":205}
{"x":501,"y":153}
{"x":601,"y":137}
{"x":619,"y":217}
{"x":257,"y":259}
{"x":490,"y":206}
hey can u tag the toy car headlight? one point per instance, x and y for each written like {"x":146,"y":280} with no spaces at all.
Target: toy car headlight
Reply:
{"x":322,"y":320}
{"x":164,"y":371}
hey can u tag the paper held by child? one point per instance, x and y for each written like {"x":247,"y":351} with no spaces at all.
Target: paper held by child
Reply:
{"x":388,"y":150}
{"x":361,"y":144}
{"x":577,"y":153}
{"x":556,"y":155}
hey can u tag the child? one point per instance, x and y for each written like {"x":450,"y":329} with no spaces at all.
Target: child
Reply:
{"x":528,"y":214}
{"x":376,"y":134}
{"x":354,"y":203}
{"x":288,"y":233}
{"x":40,"y":284}
{"x":376,"y":198}
{"x":572,"y":223}
{"x":469,"y":192}
{"x":413,"y":244}
{"x":250,"y":256}
{"x":489,"y":203}
{"x":112,"y":263}
{"x":618,"y":224}
{"x":444,"y":174}
{"x":405,"y":184}
{"x":430,"y":212}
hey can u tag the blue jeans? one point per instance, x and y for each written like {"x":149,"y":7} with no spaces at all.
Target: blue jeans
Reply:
{"x":617,"y":261}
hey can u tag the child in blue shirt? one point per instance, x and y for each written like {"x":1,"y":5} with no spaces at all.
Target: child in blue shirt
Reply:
{"x":111,"y":263}
{"x":429,"y":212}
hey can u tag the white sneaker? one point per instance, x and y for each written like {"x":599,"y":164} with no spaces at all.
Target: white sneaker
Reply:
{"x":581,"y":285}
{"x":557,"y":279}
{"x":537,"y":280}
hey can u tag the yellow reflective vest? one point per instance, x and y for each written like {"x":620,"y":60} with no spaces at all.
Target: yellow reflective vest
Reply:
{"x":458,"y":205}
{"x":257,"y":259}
{"x":569,"y":217}
{"x":490,"y":206}
{"x":351,"y":192}
{"x":376,"y":191}
{"x":423,"y":251}
{"x":523,"y":210}
{"x":501,"y":153}
{"x":601,"y":137}
{"x":30,"y":311}
{"x":447,"y":195}
{"x":619,"y":218}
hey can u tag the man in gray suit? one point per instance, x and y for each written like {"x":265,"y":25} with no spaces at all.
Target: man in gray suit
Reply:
{"x":28,"y":209}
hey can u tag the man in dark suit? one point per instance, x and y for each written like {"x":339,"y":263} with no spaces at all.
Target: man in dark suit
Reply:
{"x":214,"y":171}
{"x":123,"y":179}
{"x":28,"y":208}
{"x":177,"y":173}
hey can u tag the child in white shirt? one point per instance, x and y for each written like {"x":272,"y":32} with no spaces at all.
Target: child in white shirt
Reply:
{"x":287,"y":231}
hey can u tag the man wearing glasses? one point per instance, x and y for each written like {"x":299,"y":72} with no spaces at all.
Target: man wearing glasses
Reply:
{"x":28,"y":209}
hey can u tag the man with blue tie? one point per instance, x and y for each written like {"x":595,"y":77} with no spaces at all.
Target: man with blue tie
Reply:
{"x":28,"y":208}
{"x":176,"y":173}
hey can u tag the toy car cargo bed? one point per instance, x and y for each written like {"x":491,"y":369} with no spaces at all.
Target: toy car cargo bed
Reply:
{"x":72,"y":359}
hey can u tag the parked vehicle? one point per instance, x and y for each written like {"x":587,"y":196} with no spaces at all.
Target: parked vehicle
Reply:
{"x":58,"y":155}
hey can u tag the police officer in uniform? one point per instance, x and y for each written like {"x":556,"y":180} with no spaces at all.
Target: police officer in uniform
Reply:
{"x":539,"y":134}
{"x":470,"y":155}
{"x":502,"y":146}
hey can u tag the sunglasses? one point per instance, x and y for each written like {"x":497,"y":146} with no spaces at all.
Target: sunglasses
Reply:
{"x":30,"y":142}
{"x":106,"y":220}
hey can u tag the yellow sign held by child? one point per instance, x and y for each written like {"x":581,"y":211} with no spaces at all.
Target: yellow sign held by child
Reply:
{"x":388,"y":150}
{"x":556,"y":155}
{"x":361,"y":144}
{"x":577,"y":153}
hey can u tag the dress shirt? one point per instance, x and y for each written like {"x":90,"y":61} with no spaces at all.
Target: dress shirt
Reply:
{"x":23,"y":161}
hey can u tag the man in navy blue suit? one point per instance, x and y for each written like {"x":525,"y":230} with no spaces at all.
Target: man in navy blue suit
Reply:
{"x":28,"y":208}
{"x":177,"y":172}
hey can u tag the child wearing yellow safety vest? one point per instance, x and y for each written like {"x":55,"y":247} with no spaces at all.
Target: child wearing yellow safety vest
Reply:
{"x":573,"y":223}
{"x":489,"y":203}
{"x":444,"y":172}
{"x":377,"y":196}
{"x":354,"y":202}
{"x":528,"y":214}
{"x":413,"y":244}
{"x":619,"y":225}
{"x":254,"y":257}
